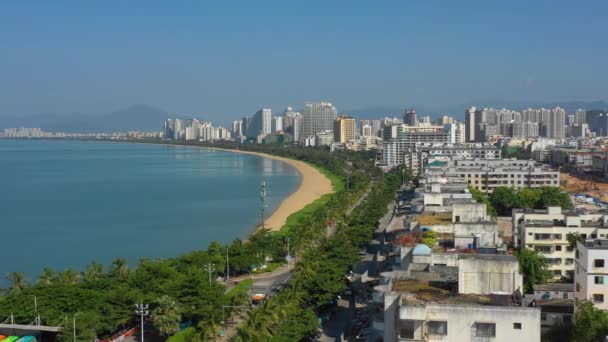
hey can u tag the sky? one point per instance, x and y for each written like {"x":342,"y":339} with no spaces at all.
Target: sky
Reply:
{"x":226,"y":59}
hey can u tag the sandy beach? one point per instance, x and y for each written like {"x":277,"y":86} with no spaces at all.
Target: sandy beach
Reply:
{"x":313,"y":185}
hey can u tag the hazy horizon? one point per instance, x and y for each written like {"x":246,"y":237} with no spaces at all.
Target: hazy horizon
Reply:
{"x":220,"y":63}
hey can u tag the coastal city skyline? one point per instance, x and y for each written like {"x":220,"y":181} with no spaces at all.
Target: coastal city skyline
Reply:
{"x":212,"y":60}
{"x":319,"y":171}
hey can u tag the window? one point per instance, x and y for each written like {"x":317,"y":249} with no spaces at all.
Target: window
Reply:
{"x":598,"y":263}
{"x":457,"y":218}
{"x":578,"y":287}
{"x":599,"y":279}
{"x":594,"y":236}
{"x":517,"y":326}
{"x":407,"y":329}
{"x":543,"y":316}
{"x":485,"y":329}
{"x":438,"y":327}
{"x":598,"y":298}
{"x":577,"y":254}
{"x":558,"y":248}
{"x":565,"y":295}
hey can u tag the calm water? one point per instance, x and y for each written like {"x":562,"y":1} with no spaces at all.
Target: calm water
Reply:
{"x":64,"y":204}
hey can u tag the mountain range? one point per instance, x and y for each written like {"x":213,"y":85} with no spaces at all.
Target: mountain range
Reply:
{"x":149,"y":118}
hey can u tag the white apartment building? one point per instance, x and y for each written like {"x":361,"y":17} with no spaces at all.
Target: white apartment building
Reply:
{"x":487,"y":174}
{"x":417,"y":157}
{"x":546,"y":230}
{"x":591,"y":273}
{"x":398,"y":138}
{"x":453,"y":297}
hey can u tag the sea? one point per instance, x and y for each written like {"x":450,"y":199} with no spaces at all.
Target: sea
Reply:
{"x":64,"y":204}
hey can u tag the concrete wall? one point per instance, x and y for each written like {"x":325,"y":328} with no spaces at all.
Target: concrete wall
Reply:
{"x":469,"y":212}
{"x":483,"y":275}
{"x":486,"y":232}
{"x":461,"y":321}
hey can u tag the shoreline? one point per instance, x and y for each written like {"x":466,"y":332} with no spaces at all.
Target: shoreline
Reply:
{"x":313,"y":185}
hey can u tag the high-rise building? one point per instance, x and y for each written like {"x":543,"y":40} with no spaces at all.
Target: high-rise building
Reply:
{"x":292,"y":123}
{"x":555,"y":121}
{"x":367,"y":131}
{"x":472,"y":120}
{"x":169,"y":129}
{"x":179,"y":132}
{"x":345,"y":128}
{"x":409,"y":118}
{"x":317,"y":117}
{"x":237,"y":128}
{"x":260,"y":124}
{"x":277,"y":124}
{"x":580,"y":116}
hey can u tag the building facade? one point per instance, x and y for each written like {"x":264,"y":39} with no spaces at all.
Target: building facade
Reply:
{"x":317,"y":117}
{"x":345,"y":129}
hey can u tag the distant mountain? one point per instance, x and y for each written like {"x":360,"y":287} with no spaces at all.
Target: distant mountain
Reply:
{"x":457,"y":111}
{"x":135,"y":117}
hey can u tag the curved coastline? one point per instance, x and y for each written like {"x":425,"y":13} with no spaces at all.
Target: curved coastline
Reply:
{"x":313,"y":185}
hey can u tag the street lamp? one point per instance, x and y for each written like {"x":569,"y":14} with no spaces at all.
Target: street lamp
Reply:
{"x":288,"y":257}
{"x":209,"y":268}
{"x":142,"y":311}
{"x":37,"y":320}
{"x":74,"y":324}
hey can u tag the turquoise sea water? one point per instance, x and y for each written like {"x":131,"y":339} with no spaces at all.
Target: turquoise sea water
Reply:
{"x":64,"y":204}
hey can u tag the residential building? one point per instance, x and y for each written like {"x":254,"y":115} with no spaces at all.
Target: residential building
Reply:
{"x":292,"y":123}
{"x":591,"y":273}
{"x":277,"y":124}
{"x":345,"y":129}
{"x":317,"y":117}
{"x":325,"y":138}
{"x":546,"y":230}
{"x":260,"y":124}
{"x":487,"y":174}
{"x":418,"y":157}
{"x":402,"y":137}
{"x":453,"y":297}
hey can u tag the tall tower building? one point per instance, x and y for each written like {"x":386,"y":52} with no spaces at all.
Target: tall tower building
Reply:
{"x":470,"y":118}
{"x":409,"y":118}
{"x":345,"y":129}
{"x":260,"y":124}
{"x":169,"y":129}
{"x":317,"y":117}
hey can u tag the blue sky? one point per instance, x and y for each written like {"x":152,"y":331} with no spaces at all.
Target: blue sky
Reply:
{"x":225,"y":59}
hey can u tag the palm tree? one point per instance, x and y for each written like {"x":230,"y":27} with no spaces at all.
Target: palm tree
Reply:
{"x":120,"y":268}
{"x":18,"y":282}
{"x":166,"y":316}
{"x":68,"y":277}
{"x":94,"y":272}
{"x":47,"y":277}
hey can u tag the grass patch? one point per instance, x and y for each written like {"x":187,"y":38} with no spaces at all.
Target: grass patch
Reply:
{"x":337,"y":183}
{"x":431,"y":219}
{"x":181,"y":336}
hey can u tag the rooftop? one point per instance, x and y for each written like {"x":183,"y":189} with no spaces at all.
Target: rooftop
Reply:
{"x":417,"y":293}
{"x":554,"y":287}
{"x":431,"y":219}
{"x":596,"y":244}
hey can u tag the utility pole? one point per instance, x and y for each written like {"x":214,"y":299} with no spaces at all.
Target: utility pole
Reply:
{"x":142,"y":311}
{"x":227,"y":265}
{"x":74,"y":324}
{"x":262,"y":202}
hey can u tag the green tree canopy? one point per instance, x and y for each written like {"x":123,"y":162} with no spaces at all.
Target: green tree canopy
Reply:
{"x":554,"y":196}
{"x":591,"y":323}
{"x":504,"y":199}
{"x":534,"y":268}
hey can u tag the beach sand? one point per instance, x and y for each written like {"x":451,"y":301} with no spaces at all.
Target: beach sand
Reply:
{"x":313,"y":186}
